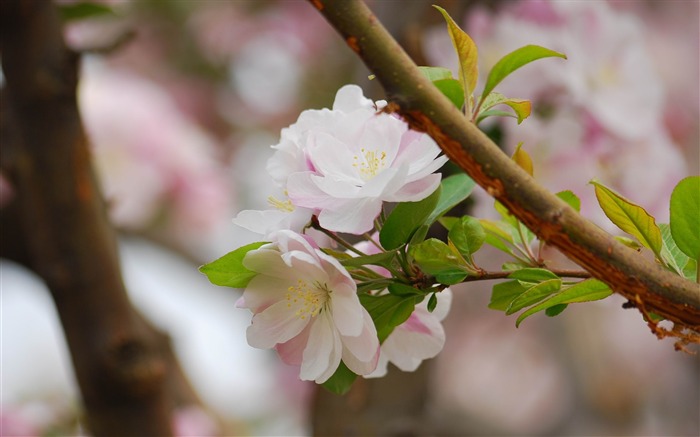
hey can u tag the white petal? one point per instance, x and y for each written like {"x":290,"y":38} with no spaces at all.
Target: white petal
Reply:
{"x":354,"y":217}
{"x":275,"y":324}
{"x":268,"y":262}
{"x":347,"y":311}
{"x":323,"y":351}
{"x":415,"y":191}
{"x":408,"y":346}
{"x":350,"y":98}
{"x":263,"y":291}
{"x":361,"y":353}
{"x":292,"y":352}
{"x":332,"y":158}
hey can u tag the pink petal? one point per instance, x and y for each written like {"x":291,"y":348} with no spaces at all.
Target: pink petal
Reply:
{"x":323,"y":350}
{"x":276,"y":324}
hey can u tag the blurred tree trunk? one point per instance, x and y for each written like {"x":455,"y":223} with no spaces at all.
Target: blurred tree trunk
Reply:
{"x":393,"y":406}
{"x":56,"y":225}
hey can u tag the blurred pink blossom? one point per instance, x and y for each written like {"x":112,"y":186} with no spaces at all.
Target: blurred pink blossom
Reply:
{"x":599,"y":114}
{"x":153,"y":161}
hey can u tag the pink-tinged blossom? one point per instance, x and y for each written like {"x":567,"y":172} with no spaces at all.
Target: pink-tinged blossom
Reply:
{"x":341,"y":164}
{"x":355,"y":159}
{"x":419,"y":338}
{"x":305,"y":305}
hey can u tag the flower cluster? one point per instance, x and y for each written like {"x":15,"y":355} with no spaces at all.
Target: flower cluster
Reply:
{"x":335,"y":170}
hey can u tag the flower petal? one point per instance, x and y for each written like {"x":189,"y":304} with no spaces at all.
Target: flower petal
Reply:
{"x":276,"y":324}
{"x":323,"y":351}
{"x":353,"y":217}
{"x":361,"y":353}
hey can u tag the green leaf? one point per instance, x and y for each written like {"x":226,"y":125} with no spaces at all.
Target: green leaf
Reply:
{"x":504,"y":293}
{"x":378,"y":259}
{"x":451,"y":278}
{"x":632,"y":244}
{"x":467,"y":54}
{"x":467,"y":235}
{"x":228,"y":271}
{"x":513,"y":61}
{"x":341,"y":381}
{"x":404,"y":219}
{"x":494,"y":113}
{"x":436,"y":73}
{"x":432,"y":302}
{"x":521,"y":107}
{"x":452,"y":89}
{"x":629,"y":217}
{"x":571,"y":199}
{"x":534,"y":294}
{"x":522,"y":158}
{"x":454,"y":190}
{"x":496,"y":235}
{"x":584,"y":291}
{"x":442,"y":78}
{"x":79,"y":11}
{"x":690,"y":270}
{"x":388,"y":311}
{"x":670,"y":252}
{"x":511,"y":224}
{"x":448,"y":222}
{"x":434,"y":257}
{"x":685,"y":216}
{"x":555,"y":310}
{"x":531,"y":274}
{"x":403,"y":290}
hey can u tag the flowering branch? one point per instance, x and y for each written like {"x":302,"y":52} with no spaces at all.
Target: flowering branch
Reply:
{"x":646,"y":285}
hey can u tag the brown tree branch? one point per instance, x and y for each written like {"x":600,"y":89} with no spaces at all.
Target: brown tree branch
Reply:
{"x":645,"y":284}
{"x":121,"y":363}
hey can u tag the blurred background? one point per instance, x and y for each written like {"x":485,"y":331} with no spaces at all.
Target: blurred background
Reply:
{"x":180,"y":115}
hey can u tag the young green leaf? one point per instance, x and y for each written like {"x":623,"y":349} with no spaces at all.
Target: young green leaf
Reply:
{"x":570,"y":198}
{"x":504,"y":293}
{"x":513,"y":61}
{"x":228,"y":271}
{"x":403,"y":290}
{"x":493,"y":113}
{"x":454,"y":189}
{"x":436,"y":73}
{"x":584,"y":291}
{"x":629,"y":217}
{"x":442,"y":78}
{"x":341,"y":381}
{"x":452,"y":89}
{"x":685,"y":216}
{"x":534,"y":294}
{"x":555,"y":310}
{"x":467,"y":235}
{"x":522,"y":108}
{"x":497,"y":234}
{"x":404,"y":219}
{"x":448,"y":222}
{"x":522,"y":158}
{"x":378,"y":259}
{"x":531,"y":274}
{"x":434,"y":257}
{"x":467,"y":54}
{"x":670,"y":253}
{"x":388,"y":311}
{"x":432,"y":302}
